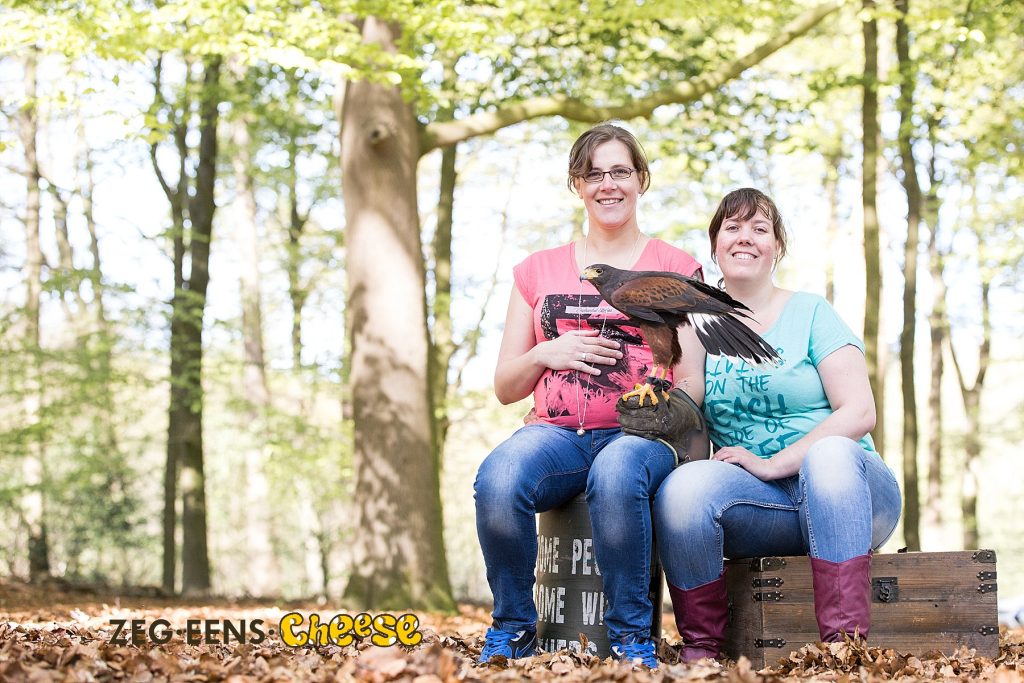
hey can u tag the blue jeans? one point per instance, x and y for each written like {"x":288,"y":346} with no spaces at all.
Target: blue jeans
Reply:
{"x":843,"y":503}
{"x":541,"y":467}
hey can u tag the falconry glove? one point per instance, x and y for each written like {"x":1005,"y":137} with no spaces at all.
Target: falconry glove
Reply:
{"x":677,"y":422}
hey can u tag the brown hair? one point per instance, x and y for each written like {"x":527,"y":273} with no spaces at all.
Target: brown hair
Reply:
{"x":743,"y":204}
{"x":583,"y":149}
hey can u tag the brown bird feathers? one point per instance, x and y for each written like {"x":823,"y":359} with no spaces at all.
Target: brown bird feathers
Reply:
{"x":659,"y":302}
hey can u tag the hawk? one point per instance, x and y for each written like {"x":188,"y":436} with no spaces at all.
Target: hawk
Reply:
{"x":659,"y":302}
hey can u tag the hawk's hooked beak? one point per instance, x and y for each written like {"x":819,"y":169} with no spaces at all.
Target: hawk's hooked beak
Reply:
{"x":588,"y":274}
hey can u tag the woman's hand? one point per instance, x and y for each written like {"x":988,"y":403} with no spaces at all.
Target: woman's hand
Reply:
{"x":581,"y":350}
{"x":761,"y":468}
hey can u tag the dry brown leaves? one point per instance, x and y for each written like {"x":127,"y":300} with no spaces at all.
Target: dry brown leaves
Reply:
{"x":65,"y":643}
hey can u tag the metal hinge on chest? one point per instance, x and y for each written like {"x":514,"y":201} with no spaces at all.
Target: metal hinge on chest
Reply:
{"x":768,"y":596}
{"x":769,"y":642}
{"x":767,"y":582}
{"x":987,"y":578}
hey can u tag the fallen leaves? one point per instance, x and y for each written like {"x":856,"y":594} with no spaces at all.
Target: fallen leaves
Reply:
{"x":74,"y":644}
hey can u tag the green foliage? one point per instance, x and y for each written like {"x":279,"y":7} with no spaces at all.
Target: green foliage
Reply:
{"x":95,"y":508}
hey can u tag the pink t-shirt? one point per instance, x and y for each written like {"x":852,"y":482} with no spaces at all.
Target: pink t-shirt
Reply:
{"x":550,"y":283}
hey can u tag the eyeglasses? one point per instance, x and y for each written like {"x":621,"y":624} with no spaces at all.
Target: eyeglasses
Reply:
{"x":615,"y":173}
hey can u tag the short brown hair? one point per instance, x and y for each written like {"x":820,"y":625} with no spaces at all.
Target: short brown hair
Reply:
{"x":583,"y":149}
{"x":743,"y":204}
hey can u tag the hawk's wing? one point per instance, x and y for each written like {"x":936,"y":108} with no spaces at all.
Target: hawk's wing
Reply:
{"x":648,"y":295}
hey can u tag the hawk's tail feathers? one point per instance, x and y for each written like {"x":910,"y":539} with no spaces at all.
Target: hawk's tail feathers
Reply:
{"x":724,"y":335}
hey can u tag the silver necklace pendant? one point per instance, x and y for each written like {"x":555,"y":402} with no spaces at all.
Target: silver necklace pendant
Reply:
{"x":581,"y":431}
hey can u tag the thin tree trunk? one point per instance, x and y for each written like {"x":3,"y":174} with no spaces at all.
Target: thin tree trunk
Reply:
{"x":64,"y":274}
{"x":912,"y":188}
{"x":832,"y":173}
{"x":872,"y":240}
{"x":398,"y":556}
{"x":33,"y":503}
{"x":195,"y":559}
{"x":178,"y":405}
{"x":971,"y":396}
{"x":260,"y":567}
{"x":101,"y":333}
{"x":298,"y":291}
{"x":254,"y":379}
{"x":939,"y":331}
{"x":443,"y":345}
{"x":938,"y":321}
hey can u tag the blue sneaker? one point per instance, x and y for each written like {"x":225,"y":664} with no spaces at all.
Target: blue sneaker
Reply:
{"x":639,"y":651}
{"x":510,"y":645}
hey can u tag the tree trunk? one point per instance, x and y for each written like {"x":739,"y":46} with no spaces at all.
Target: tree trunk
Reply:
{"x":64,"y":275}
{"x":195,"y":574}
{"x":261,"y":571}
{"x":832,"y":174}
{"x":939,"y":331}
{"x":911,"y":496}
{"x":33,"y":503}
{"x":398,"y":556}
{"x":971,"y":396}
{"x":969,"y":483}
{"x":972,"y":408}
{"x":179,"y":399}
{"x":443,"y":343}
{"x":254,"y":379}
{"x":297,"y":290}
{"x":102,"y":334}
{"x":872,"y":241}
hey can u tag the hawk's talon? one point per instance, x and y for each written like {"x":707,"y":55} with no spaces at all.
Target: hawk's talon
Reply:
{"x":640,"y":392}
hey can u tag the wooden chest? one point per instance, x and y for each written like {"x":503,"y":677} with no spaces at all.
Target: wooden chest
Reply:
{"x":919,"y":602}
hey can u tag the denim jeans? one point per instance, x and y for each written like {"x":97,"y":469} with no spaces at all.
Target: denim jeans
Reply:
{"x":843,"y":503}
{"x":543,"y":466}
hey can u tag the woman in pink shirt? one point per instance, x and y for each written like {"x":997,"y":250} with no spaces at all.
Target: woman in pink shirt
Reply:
{"x":576,"y":355}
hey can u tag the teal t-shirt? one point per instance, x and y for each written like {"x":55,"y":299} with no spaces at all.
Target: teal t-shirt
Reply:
{"x":765,"y":408}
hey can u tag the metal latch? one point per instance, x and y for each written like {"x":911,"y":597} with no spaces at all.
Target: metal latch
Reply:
{"x":770,"y":596}
{"x":767,"y":564}
{"x":986,"y":556}
{"x":885,"y":589}
{"x":769,"y":582}
{"x":769,"y":642}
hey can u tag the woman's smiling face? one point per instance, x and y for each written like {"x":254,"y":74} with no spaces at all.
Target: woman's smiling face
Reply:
{"x":746,"y":248}
{"x":610,"y":203}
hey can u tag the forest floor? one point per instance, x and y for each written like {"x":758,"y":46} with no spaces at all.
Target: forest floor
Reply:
{"x":59,"y":633}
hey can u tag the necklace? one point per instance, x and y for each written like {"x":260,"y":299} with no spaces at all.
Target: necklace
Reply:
{"x":581,"y":413}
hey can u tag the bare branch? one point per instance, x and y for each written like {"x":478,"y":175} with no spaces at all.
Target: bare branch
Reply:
{"x":158,"y":101}
{"x":445,"y":133}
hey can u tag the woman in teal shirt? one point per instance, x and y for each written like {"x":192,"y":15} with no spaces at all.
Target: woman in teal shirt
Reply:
{"x":794,"y":469}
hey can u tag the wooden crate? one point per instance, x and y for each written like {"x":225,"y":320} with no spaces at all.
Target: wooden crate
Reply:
{"x":920,"y":602}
